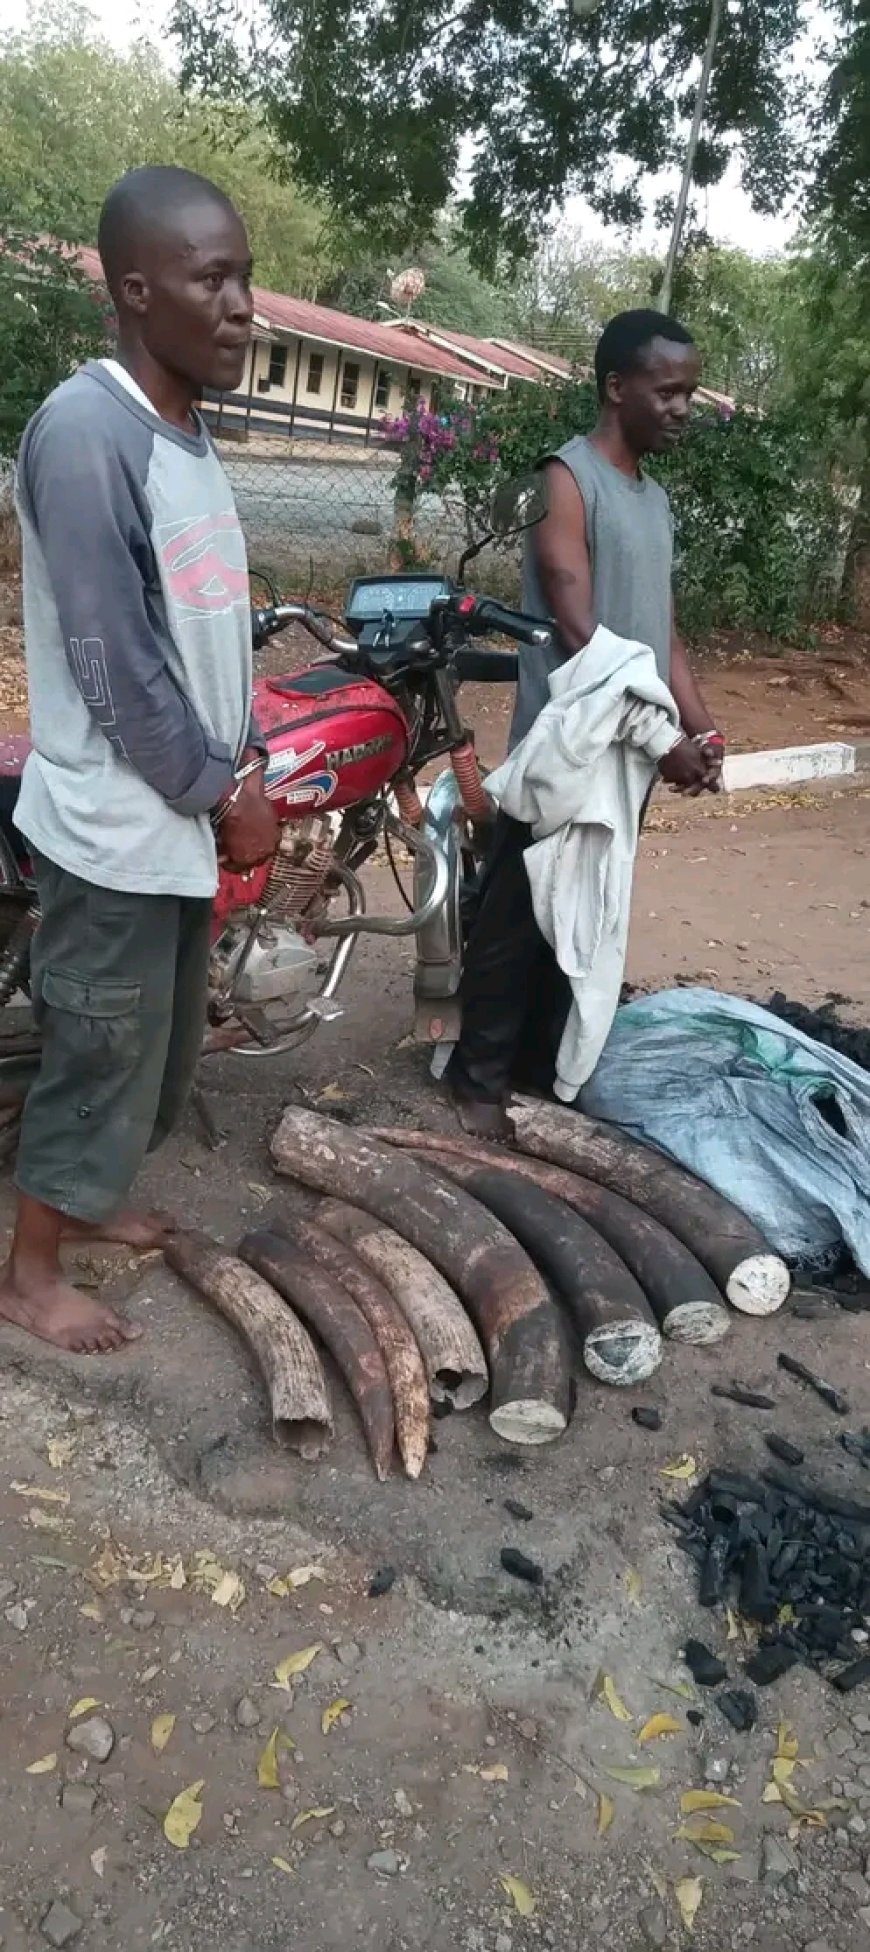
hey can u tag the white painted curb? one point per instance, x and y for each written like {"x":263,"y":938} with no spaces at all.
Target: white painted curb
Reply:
{"x":788,"y":766}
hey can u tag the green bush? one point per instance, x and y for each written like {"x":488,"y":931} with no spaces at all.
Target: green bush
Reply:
{"x":759,"y":521}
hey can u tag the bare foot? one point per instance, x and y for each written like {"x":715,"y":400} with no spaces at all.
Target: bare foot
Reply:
{"x":46,"y":1306}
{"x":480,"y":1117}
{"x":128,"y":1229}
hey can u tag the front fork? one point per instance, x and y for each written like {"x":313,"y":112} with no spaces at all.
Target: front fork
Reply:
{"x":473,"y":798}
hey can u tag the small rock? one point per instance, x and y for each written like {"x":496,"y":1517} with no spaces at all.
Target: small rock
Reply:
{"x":338,"y":1828}
{"x":819,"y":1945}
{"x":854,"y":1882}
{"x":7,"y":1588}
{"x":94,"y":1738}
{"x":716,"y":1769}
{"x":529,"y":1730}
{"x":840,"y":1741}
{"x":247,"y":1713}
{"x":778,"y":1860}
{"x":387,"y":1862}
{"x":143,"y":1618}
{"x":858,"y":1826}
{"x":348,"y":1653}
{"x":503,"y":1942}
{"x":78,"y":1799}
{"x":60,"y":1925}
{"x":126,"y":1616}
{"x":864,"y":1775}
{"x":17,"y":1617}
{"x":654,"y":1925}
{"x":403,"y":1802}
{"x":864,"y":1915}
{"x":746,"y":1868}
{"x":861,"y":1724}
{"x":203,"y":1724}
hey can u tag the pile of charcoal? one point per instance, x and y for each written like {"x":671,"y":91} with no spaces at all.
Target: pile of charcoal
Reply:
{"x":793,"y":1560}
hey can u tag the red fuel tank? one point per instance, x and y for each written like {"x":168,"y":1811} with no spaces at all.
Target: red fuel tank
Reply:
{"x":333,"y":739}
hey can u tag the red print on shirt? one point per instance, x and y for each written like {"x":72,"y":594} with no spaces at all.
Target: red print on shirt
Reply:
{"x":204,"y":565}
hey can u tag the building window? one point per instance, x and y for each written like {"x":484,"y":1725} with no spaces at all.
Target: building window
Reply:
{"x":315,"y":372}
{"x":277,"y":365}
{"x":349,"y":383}
{"x":383,"y":388}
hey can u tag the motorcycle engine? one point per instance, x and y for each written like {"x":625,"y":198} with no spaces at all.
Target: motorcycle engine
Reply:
{"x":282,"y":961}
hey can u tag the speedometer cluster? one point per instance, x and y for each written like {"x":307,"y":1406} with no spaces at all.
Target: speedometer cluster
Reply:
{"x":408,"y":597}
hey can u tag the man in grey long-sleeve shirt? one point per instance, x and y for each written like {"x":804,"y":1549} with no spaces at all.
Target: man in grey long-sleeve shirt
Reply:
{"x":138,"y":643}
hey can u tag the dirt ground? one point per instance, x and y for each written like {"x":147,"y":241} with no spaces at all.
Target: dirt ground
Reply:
{"x":473,"y":1747}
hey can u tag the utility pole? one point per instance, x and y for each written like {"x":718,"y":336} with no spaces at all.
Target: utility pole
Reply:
{"x":667,"y":284}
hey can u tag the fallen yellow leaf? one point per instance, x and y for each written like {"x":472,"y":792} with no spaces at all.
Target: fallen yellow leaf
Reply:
{"x":683,"y":1468}
{"x":183,"y":1815}
{"x":311,"y":1816}
{"x":787,"y":1744}
{"x":98,"y":1860}
{"x":657,"y":1726}
{"x":606,"y":1813}
{"x":606,"y":1691}
{"x":40,"y":1491}
{"x":645,"y":1778}
{"x":268,"y":1774}
{"x":684,"y":1689}
{"x":688,"y":1892}
{"x":786,"y":1616}
{"x":229,"y":1591}
{"x":733,"y":1628}
{"x":161,"y":1730}
{"x":281,"y":1864}
{"x":706,"y":1799}
{"x":520,"y":1894}
{"x":43,"y":1767}
{"x":633,"y":1584}
{"x":177,"y":1577}
{"x":659,"y":1883}
{"x":705,"y":1830}
{"x":301,"y":1575}
{"x":783,"y":1768}
{"x":59,"y":1451}
{"x":296,"y":1663}
{"x":494,"y":1772}
{"x":718,"y":1853}
{"x":771,"y":1793}
{"x":91,"y":1611}
{"x":83,"y":1707}
{"x":333,"y":1713}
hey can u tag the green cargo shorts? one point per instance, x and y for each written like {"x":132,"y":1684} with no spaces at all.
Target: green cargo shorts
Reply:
{"x":120,"y":986}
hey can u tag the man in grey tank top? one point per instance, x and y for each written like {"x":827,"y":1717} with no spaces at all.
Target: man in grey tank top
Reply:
{"x":602,"y":555}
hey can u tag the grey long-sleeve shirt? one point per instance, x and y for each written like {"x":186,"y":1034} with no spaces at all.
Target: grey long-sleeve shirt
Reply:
{"x":137,"y":637}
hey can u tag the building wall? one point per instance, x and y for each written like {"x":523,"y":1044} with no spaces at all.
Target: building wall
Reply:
{"x":265,"y":405}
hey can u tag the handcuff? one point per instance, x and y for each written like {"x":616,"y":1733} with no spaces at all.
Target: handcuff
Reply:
{"x":219,"y":813}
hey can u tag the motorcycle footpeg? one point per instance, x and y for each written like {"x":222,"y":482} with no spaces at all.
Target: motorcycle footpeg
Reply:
{"x":438,"y":1020}
{"x":326,"y":1008}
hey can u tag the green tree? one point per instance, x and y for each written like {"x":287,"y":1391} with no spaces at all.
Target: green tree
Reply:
{"x":76,"y":114}
{"x":50,"y":320}
{"x":733,"y":304}
{"x":455,"y":293}
{"x":563,"y":296}
{"x":377,"y":108}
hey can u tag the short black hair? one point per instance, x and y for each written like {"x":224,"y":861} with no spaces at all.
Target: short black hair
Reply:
{"x":626,"y":337}
{"x":141,"y":206}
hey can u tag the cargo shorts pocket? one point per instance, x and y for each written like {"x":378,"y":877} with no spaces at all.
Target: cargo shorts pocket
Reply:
{"x":96,"y":1023}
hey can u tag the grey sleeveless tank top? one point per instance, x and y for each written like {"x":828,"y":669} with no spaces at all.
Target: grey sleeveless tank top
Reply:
{"x":631,"y":546}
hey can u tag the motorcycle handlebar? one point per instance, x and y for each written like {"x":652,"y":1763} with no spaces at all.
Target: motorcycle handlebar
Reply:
{"x":491,"y":615}
{"x":266,"y":623}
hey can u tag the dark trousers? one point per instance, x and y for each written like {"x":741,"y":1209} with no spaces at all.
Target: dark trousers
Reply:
{"x":120,"y":987}
{"x":515,"y":999}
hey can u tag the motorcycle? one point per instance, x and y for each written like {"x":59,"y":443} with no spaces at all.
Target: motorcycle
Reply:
{"x":347,"y":739}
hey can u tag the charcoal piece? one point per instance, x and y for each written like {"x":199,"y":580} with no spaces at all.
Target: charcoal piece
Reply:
{"x":705,"y":1667}
{"x":808,"y":1308}
{"x":714,"y":1572}
{"x":856,"y":1304}
{"x":517,"y":1510}
{"x":737,"y":1484}
{"x":818,"y":1500}
{"x":826,"y":1391}
{"x":856,"y":1446}
{"x":384,"y":1578}
{"x":750,"y":1399}
{"x":520,"y":1567}
{"x":785,"y":1562}
{"x":739,"y":1707}
{"x":852,"y":1676}
{"x":722,"y":1511}
{"x":648,"y":1418}
{"x":757,"y":1602}
{"x":694,"y":1717}
{"x":787,"y":1452}
{"x":675,"y":1516}
{"x":769,"y":1664}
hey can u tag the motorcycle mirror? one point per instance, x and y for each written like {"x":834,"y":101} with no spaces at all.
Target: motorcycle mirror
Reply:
{"x":518,"y":504}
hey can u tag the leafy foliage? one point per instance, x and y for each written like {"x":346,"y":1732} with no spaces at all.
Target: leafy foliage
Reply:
{"x":375,"y":108}
{"x":51,"y":319}
{"x":759,"y":524}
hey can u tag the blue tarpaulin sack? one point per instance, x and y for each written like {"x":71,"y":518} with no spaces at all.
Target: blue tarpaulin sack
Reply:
{"x":773,"y":1120}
